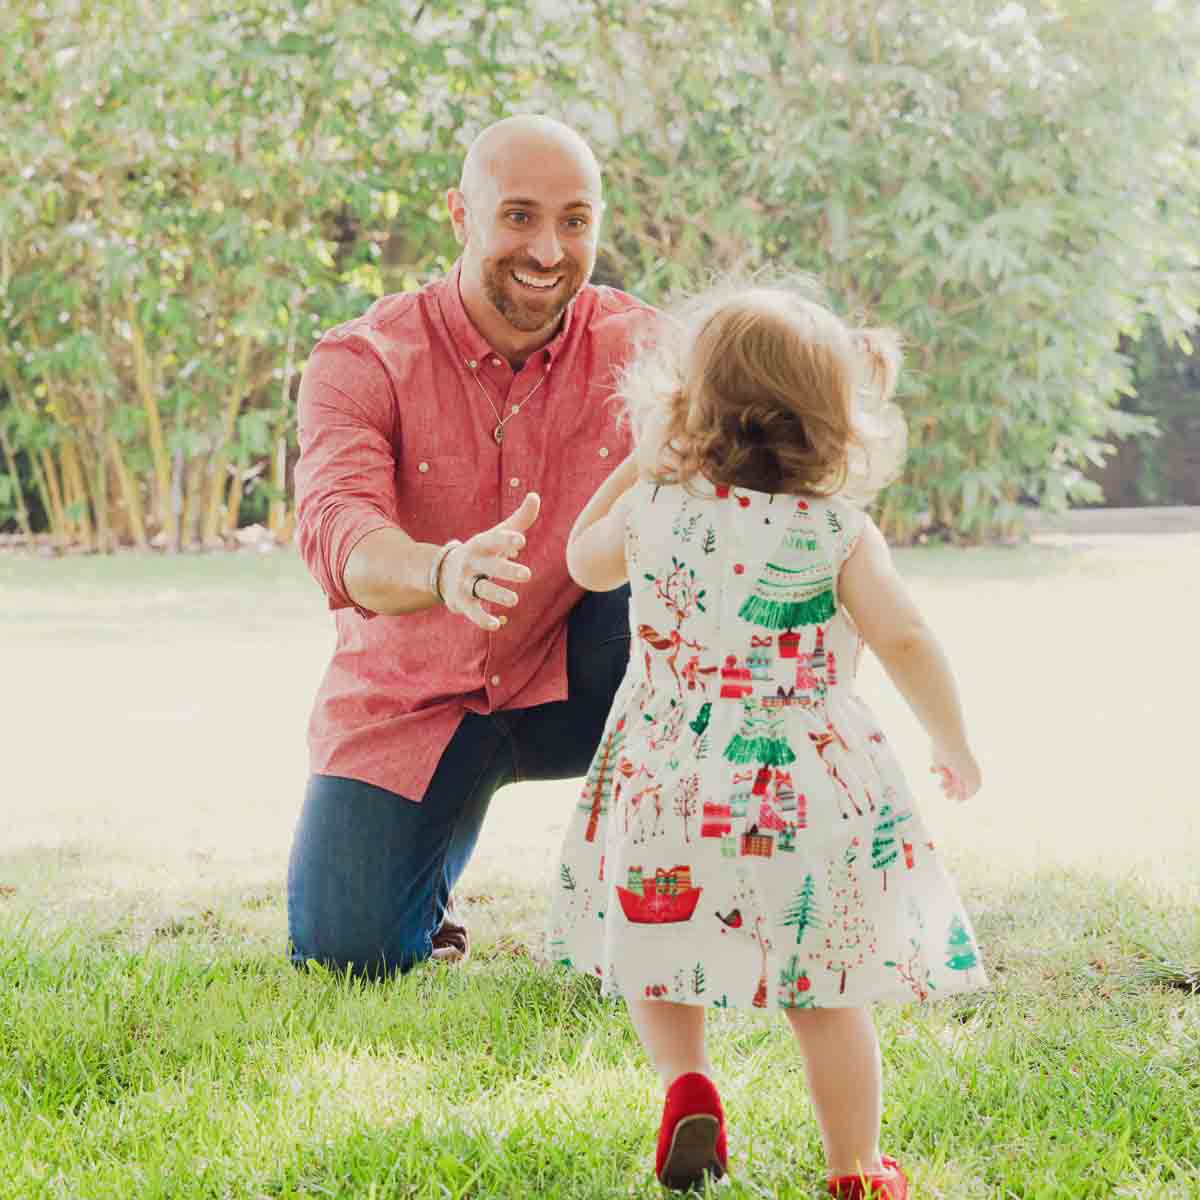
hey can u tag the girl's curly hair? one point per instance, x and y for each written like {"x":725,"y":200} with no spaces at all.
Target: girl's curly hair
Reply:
{"x":762,"y":386}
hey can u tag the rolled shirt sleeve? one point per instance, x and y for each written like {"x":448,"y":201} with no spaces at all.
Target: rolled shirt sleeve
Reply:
{"x":346,"y":474}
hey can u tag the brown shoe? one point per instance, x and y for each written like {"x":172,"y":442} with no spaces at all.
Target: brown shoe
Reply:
{"x":451,"y":943}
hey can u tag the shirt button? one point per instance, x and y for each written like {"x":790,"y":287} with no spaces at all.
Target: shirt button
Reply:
{"x":495,"y":362}
{"x":514,"y":482}
{"x":603,"y":451}
{"x":423,"y":467}
{"x":472,"y":363}
{"x":495,"y":681}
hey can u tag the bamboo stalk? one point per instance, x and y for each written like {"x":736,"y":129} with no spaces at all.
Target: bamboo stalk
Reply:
{"x":277,"y":513}
{"x":193,"y":490}
{"x":41,"y":464}
{"x":59,"y":522}
{"x":158,"y":449}
{"x":11,"y":459}
{"x":73,"y":476}
{"x":220,"y":458}
{"x":129,"y":493}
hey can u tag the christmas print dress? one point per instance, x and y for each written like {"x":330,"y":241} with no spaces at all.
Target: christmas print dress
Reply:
{"x":745,"y":837}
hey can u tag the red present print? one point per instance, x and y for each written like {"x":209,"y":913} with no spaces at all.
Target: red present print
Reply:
{"x":735,"y":680}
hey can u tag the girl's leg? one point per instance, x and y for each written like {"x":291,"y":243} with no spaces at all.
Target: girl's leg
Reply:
{"x":672,"y":1035}
{"x":845,"y":1080}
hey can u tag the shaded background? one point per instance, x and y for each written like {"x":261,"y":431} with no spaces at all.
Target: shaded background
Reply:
{"x":193,"y":195}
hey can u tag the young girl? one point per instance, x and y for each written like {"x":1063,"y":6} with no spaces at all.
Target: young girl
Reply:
{"x":745,"y":836}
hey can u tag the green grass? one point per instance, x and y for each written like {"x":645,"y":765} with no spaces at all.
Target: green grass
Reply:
{"x":154,"y":1041}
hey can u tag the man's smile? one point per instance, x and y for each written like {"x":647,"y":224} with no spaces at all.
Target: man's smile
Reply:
{"x":537,"y":283}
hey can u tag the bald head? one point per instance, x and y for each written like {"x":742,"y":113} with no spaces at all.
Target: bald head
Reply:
{"x":527,"y":215}
{"x":501,"y":148}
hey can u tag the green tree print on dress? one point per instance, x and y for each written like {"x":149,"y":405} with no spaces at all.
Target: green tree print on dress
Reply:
{"x":761,"y":739}
{"x":959,"y":949}
{"x":794,"y":985}
{"x":785,"y":597}
{"x":802,"y":911}
{"x":883,"y":843}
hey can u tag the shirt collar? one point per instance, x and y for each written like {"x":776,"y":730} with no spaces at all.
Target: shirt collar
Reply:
{"x":472,"y":346}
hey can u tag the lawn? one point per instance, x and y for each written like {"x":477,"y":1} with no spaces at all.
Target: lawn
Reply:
{"x":153,"y":1041}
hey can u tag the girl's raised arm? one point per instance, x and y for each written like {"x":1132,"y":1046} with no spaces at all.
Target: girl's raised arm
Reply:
{"x":596,"y":546}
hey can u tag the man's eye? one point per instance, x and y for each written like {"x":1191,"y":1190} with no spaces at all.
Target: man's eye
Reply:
{"x":519,"y":218}
{"x":577,"y":223}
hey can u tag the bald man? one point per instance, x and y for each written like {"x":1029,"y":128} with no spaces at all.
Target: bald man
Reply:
{"x":448,"y":439}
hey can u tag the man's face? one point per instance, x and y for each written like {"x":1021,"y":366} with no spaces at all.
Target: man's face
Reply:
{"x":529,"y":232}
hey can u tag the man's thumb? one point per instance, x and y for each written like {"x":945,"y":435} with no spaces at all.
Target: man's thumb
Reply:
{"x":525,"y":514}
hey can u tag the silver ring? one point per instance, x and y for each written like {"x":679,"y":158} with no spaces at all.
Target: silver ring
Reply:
{"x":475,"y":585}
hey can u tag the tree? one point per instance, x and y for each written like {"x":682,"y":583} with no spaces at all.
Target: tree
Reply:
{"x":960,"y":951}
{"x":802,"y":911}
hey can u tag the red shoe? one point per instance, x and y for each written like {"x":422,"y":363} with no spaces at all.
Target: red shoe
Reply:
{"x":888,"y":1184}
{"x":691,"y":1138}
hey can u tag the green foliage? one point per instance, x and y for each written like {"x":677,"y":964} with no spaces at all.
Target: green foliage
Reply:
{"x":217,"y":186}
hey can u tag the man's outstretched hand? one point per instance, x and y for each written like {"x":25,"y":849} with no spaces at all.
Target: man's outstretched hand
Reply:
{"x":491,"y":554}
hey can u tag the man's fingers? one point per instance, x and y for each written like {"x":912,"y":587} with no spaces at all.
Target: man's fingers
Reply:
{"x":503,"y":568}
{"x":493,"y":593}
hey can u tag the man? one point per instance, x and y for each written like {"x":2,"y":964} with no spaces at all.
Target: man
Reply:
{"x":448,"y":439}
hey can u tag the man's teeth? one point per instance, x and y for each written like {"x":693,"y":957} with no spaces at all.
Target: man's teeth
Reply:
{"x":531,"y":281}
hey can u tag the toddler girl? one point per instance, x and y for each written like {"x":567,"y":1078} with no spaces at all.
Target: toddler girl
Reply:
{"x":745,"y":836}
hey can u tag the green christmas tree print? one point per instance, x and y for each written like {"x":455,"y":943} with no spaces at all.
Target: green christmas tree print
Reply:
{"x":700,"y":724}
{"x":709,"y":544}
{"x":784,"y":597}
{"x":802,"y":911}
{"x":567,"y":878}
{"x":883,"y":842}
{"x":959,"y":949}
{"x":761,"y":739}
{"x":835,"y":524}
{"x":698,"y":979}
{"x":794,"y":985}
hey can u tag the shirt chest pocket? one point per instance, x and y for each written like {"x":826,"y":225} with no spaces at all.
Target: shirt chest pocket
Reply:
{"x":438,"y":497}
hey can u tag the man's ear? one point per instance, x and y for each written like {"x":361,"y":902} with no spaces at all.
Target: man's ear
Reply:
{"x":456,"y":204}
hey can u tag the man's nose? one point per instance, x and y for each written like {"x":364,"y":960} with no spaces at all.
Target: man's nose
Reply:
{"x":546,"y":247}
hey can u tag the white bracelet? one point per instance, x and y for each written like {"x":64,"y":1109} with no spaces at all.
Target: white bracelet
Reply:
{"x":435,"y":571}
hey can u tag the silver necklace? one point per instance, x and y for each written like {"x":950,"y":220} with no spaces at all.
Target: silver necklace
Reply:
{"x":498,"y":432}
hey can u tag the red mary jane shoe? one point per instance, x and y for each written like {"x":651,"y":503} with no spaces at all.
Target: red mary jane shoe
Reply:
{"x":691,"y":1138}
{"x":889,"y":1184}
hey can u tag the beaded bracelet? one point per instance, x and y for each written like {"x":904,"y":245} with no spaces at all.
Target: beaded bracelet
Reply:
{"x":435,"y":571}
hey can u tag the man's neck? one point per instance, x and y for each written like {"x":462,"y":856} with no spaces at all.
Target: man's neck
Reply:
{"x":513,"y":344}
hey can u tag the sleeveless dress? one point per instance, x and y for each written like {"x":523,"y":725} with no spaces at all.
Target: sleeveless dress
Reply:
{"x":745,"y":837}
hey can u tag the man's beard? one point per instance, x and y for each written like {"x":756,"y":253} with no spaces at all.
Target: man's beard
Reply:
{"x":521,"y":307}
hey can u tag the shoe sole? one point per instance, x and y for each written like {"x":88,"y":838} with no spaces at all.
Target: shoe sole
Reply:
{"x":693,"y":1152}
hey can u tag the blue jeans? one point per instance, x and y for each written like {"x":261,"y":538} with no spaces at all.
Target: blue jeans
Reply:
{"x":371,"y":871}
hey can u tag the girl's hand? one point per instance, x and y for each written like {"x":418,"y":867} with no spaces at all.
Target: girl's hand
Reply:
{"x":957,"y":771}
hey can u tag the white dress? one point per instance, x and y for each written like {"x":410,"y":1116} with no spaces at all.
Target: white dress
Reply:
{"x":745,"y":837}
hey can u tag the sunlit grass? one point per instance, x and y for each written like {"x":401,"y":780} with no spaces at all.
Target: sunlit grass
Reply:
{"x":154,"y":1041}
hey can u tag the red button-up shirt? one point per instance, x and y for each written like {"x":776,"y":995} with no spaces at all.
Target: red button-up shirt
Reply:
{"x":395,"y":431}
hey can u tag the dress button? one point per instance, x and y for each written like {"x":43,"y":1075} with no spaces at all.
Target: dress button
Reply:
{"x":603,"y":451}
{"x":423,"y":467}
{"x":495,"y":681}
{"x":514,"y":482}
